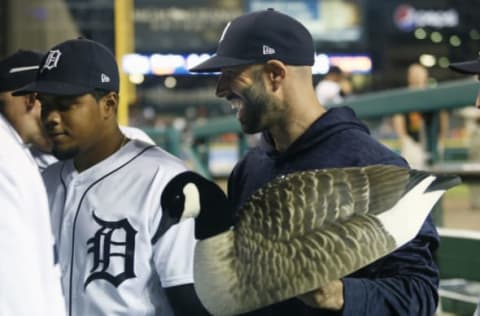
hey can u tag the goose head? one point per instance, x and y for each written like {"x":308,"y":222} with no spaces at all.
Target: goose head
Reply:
{"x":189,"y":195}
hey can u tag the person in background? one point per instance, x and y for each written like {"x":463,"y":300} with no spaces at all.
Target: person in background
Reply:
{"x":119,"y":254}
{"x":471,"y":67}
{"x":29,"y":278}
{"x":411,"y":128}
{"x":23,"y":112}
{"x":333,"y":87}
{"x":265,"y":60}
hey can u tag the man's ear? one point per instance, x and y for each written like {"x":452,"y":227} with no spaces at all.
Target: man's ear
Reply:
{"x":276,"y":72}
{"x":31,"y":101}
{"x":109,"y":103}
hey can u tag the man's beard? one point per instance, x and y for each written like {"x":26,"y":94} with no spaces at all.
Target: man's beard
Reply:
{"x":258,"y":108}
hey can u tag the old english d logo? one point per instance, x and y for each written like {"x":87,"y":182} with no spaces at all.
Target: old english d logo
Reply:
{"x":105,"y":249}
{"x":52,"y":60}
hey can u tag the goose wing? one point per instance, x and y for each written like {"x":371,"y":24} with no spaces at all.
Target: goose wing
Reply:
{"x":296,"y":204}
{"x":306,"y":229}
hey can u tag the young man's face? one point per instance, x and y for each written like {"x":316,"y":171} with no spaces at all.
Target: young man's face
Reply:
{"x":73,"y":123}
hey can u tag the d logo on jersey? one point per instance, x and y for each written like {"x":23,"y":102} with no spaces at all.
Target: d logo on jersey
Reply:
{"x":106,"y":250}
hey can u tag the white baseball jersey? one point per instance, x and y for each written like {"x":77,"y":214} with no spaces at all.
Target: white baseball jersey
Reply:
{"x":136,"y":133}
{"x":29,"y":281}
{"x":105,"y":221}
{"x":42,"y":159}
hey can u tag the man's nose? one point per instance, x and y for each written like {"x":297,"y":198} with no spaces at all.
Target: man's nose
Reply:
{"x":50,"y":117}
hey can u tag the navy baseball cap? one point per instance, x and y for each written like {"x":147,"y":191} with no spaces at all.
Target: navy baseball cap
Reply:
{"x":75,"y":67}
{"x":260,"y":36}
{"x":19,"y":69}
{"x":467,"y":67}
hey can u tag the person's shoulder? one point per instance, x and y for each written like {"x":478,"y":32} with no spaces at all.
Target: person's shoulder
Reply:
{"x":154,"y":151}
{"x":153,"y":156}
{"x":136,"y":133}
{"x":365,"y":149}
{"x":253,"y":159}
{"x":256,"y":153}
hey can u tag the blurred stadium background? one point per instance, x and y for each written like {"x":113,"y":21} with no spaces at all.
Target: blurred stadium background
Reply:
{"x":156,"y":41}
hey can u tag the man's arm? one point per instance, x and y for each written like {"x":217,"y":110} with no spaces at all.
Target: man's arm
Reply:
{"x":184,"y":301}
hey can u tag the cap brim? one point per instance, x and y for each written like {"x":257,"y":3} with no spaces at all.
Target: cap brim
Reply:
{"x":216,"y":63}
{"x":52,"y":88}
{"x":467,"y":67}
{"x":14,"y":81}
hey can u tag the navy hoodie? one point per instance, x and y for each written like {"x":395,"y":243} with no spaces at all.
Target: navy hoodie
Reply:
{"x":402,"y":283}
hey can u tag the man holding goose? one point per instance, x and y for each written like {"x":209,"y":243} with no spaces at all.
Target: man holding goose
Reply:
{"x":265,"y":60}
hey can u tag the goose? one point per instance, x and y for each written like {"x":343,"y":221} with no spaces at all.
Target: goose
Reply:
{"x":298,"y":232}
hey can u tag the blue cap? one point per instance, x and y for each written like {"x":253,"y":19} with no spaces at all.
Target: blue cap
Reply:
{"x":75,"y":67}
{"x":467,"y":67}
{"x":19,"y":69}
{"x":260,"y":36}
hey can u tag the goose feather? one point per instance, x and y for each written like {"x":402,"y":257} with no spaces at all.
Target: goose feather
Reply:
{"x":303,"y":230}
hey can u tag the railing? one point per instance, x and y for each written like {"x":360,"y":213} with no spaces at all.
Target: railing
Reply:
{"x":448,"y":95}
{"x":458,"y":261}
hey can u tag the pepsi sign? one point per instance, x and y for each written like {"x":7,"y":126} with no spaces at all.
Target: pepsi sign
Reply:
{"x":407,"y":18}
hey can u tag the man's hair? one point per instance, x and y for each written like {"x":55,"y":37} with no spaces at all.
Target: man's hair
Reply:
{"x":98,"y":94}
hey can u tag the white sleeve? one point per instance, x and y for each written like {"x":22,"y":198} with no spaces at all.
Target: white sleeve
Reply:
{"x":29,"y":281}
{"x":18,"y":281}
{"x":173,"y":254}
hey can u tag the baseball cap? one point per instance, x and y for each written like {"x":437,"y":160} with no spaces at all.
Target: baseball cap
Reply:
{"x":19,"y":69}
{"x":260,"y":36}
{"x":75,"y":67}
{"x":467,"y":67}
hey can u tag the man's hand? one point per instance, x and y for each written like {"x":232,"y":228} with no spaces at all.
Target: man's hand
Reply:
{"x":328,"y":297}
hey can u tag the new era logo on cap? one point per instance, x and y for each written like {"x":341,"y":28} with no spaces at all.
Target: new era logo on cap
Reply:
{"x":104,"y":78}
{"x":267,"y":50}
